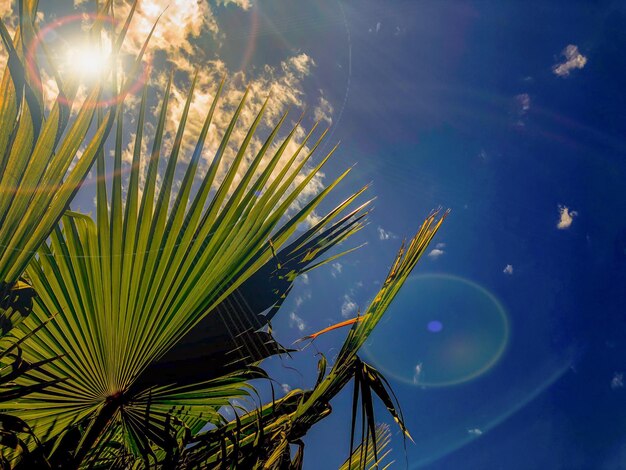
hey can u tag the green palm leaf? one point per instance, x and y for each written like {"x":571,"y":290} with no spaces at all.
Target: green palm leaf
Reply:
{"x":261,"y":438}
{"x":227,"y":338}
{"x":364,"y":456}
{"x":136,"y":280}
{"x":37,"y":179}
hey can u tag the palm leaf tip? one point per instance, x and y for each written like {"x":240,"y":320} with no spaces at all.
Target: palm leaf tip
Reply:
{"x":364,"y":457}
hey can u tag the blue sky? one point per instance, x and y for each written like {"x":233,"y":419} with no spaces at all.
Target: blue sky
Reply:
{"x":512,"y":115}
{"x":459,"y":104}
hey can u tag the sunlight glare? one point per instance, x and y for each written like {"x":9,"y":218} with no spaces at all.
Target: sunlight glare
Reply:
{"x":88,"y":62}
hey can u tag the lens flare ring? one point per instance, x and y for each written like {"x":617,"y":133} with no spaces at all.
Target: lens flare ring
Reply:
{"x":49,"y":32}
{"x":455,"y":350}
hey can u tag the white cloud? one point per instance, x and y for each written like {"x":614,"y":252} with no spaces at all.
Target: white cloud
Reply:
{"x":417,"y":373}
{"x":523,"y":101}
{"x":475,"y":431}
{"x":573,"y":60}
{"x":9,"y":18}
{"x":618,"y":380}
{"x":522,"y":106}
{"x":305,"y":278}
{"x":384,"y":234}
{"x":176,"y":34}
{"x":348,"y":307}
{"x":6,"y":8}
{"x":300,"y":299}
{"x":243,"y":4}
{"x":181,"y":20}
{"x":336,"y":269}
{"x":286,"y":388}
{"x":440,"y":246}
{"x":284,"y":82}
{"x":323,"y":111}
{"x":435,"y":253}
{"x":566,"y":217}
{"x":376,"y":29}
{"x":296,"y":321}
{"x":508,"y":269}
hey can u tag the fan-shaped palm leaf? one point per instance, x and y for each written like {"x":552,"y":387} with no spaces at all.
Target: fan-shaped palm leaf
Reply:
{"x":133,"y":282}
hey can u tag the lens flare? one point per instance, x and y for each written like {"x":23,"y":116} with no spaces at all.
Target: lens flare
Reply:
{"x":435,"y":326}
{"x":440,"y":331}
{"x":77,"y":57}
{"x":91,"y":63}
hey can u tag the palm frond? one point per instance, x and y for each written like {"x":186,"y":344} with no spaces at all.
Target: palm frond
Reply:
{"x":364,"y":457}
{"x":136,"y":280}
{"x":43,"y":158}
{"x":227,"y":338}
{"x":259,"y":438}
{"x":15,"y":433}
{"x":36,"y":153}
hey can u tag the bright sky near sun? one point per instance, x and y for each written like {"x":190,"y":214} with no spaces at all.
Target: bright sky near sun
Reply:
{"x":509,"y":113}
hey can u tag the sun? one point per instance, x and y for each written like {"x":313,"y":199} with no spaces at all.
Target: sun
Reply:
{"x":88,"y":62}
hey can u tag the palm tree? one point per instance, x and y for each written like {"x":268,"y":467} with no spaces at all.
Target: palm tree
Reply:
{"x":160,"y":304}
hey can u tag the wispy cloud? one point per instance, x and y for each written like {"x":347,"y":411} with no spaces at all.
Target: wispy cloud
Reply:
{"x":348,"y":307}
{"x":436,"y":253}
{"x":6,"y":8}
{"x":376,"y":29}
{"x":181,"y":25}
{"x":324,"y":110}
{"x":385,"y":234}
{"x":417,"y":373}
{"x":243,"y":4}
{"x":475,"y":431}
{"x":566,"y":217}
{"x":522,"y":106}
{"x":336,"y":269}
{"x":181,"y":20}
{"x":296,"y":321}
{"x":618,"y":380}
{"x":523,"y":100}
{"x":508,"y":269}
{"x":286,"y":388}
{"x":573,"y":60}
{"x":300,"y":299}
